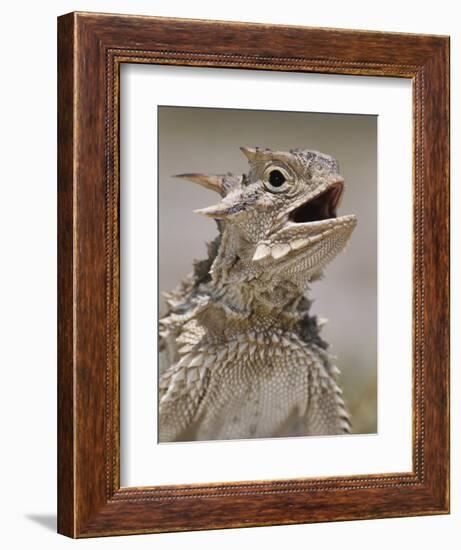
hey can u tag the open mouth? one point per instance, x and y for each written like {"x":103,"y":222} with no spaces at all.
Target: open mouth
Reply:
{"x":321,"y":207}
{"x":308,"y":225}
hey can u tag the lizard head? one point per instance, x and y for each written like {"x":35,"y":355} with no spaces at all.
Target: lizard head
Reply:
{"x":280,"y":219}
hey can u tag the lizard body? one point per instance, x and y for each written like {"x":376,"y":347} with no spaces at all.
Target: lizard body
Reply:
{"x":242,"y":356}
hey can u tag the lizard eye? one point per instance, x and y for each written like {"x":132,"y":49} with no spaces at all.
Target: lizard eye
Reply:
{"x":275,"y":180}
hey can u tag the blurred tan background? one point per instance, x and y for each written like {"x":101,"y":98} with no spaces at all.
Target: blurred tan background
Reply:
{"x":208,"y":141}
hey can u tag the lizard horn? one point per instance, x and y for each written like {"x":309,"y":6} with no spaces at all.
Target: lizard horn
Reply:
{"x":213,"y":182}
{"x":250,"y":152}
{"x":221,"y":210}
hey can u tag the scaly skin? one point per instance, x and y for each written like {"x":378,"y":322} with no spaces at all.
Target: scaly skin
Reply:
{"x":242,"y":356}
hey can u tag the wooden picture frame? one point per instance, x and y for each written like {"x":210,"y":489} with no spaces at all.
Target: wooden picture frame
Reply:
{"x":91,"y":49}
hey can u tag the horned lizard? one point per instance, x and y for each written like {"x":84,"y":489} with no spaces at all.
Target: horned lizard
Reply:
{"x":242,"y":357}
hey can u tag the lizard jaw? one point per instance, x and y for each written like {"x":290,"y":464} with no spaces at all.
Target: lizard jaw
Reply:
{"x":306,"y":225}
{"x":296,"y":238}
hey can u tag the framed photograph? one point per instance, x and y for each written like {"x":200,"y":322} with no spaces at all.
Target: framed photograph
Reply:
{"x":253,"y":275}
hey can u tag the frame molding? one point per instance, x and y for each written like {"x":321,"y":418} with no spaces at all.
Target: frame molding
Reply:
{"x":91,"y":48}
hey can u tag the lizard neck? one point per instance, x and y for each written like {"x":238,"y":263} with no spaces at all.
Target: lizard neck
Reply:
{"x":243,"y":285}
{"x":240,"y":304}
{"x":234,"y":311}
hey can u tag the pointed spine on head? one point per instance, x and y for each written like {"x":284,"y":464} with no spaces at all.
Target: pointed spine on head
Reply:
{"x":209,"y":181}
{"x":255,"y":154}
{"x":250,"y":153}
{"x":222,"y":210}
{"x":227,"y":186}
